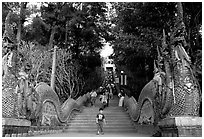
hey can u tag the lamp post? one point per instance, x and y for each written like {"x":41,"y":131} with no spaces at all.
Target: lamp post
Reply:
{"x":53,"y":68}
{"x":123,"y":78}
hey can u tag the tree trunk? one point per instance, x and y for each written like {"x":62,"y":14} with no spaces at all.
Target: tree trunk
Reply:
{"x":54,"y":56}
{"x":21,"y":21}
{"x":180,"y":11}
{"x":66,"y":34}
{"x":189,"y":51}
{"x":52,"y":36}
{"x":53,"y":69}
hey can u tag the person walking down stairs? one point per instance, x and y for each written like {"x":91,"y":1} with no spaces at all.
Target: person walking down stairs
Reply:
{"x":100,"y":119}
{"x":121,"y":100}
{"x":93,"y":97}
{"x":107,"y":97}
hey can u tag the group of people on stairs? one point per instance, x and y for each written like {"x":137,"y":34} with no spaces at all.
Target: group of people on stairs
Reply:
{"x":105,"y":94}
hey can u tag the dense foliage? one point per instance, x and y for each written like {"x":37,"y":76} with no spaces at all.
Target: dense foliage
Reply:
{"x":138,"y":32}
{"x":78,"y":29}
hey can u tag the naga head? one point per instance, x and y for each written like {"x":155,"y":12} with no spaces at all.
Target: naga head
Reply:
{"x":10,"y":46}
{"x":31,"y":96}
{"x":11,"y":60}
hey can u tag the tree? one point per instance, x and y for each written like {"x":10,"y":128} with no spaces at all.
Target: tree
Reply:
{"x":81,"y":31}
{"x":21,"y":20}
{"x":137,"y":35}
{"x":80,"y":25}
{"x":138,"y":32}
{"x":193,"y":22}
{"x":92,"y":72}
{"x":37,"y":32}
{"x":39,"y":58}
{"x":9,"y":7}
{"x":78,"y":30}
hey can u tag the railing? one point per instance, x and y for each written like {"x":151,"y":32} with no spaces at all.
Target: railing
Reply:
{"x":146,"y":95}
{"x":131,"y":105}
{"x":82,"y":100}
{"x":22,"y":130}
{"x":133,"y":108}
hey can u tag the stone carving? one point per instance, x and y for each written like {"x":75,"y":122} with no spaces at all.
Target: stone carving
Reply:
{"x":20,"y":99}
{"x":14,"y":85}
{"x":49,"y":110}
{"x":15,"y":74}
{"x":173,"y":93}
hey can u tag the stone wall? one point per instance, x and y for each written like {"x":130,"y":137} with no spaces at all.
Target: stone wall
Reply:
{"x":20,"y":127}
{"x":12,"y":127}
{"x":181,"y":127}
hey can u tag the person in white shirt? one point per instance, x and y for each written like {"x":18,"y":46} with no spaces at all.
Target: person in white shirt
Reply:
{"x":93,"y":97}
{"x":104,"y":100}
{"x":157,"y":77}
{"x":121,"y":96}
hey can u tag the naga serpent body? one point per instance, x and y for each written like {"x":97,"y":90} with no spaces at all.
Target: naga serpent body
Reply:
{"x":150,"y":105}
{"x":49,"y":105}
{"x":20,"y":100}
{"x":146,"y":109}
{"x":180,"y":95}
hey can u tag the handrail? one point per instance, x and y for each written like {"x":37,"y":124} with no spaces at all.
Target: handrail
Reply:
{"x":37,"y":130}
{"x":134,"y":107}
{"x":131,"y":106}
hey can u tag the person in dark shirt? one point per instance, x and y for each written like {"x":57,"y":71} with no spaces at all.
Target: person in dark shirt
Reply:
{"x":100,"y":119}
{"x":107,"y":97}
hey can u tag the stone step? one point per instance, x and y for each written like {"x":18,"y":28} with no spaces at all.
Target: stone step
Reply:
{"x":111,"y":102}
{"x":109,"y":107}
{"x":110,"y":118}
{"x":107,"y":120}
{"x":117,"y":119}
{"x":109,"y":126}
{"x":105,"y":127}
{"x":105,"y":130}
{"x":106,"y":110}
{"x":106,"y":115}
{"x":94,"y":124}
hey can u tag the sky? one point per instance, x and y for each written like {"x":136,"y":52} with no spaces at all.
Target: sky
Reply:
{"x":107,"y":50}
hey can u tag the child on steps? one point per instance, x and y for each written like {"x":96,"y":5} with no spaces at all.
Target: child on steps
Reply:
{"x":100,"y":119}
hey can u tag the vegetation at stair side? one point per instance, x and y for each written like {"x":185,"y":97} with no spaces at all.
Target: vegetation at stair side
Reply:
{"x":133,"y":28}
{"x":76,"y":28}
{"x":138,"y":31}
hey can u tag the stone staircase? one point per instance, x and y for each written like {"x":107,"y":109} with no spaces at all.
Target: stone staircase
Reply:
{"x":117,"y":119}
